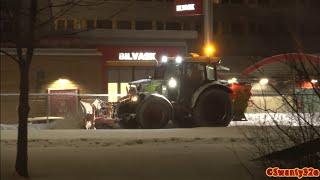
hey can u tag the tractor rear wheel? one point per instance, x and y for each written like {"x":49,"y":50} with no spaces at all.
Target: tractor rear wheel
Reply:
{"x":154,"y":113}
{"x":213,"y":108}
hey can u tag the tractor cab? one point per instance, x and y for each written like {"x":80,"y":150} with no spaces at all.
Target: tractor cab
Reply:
{"x":185,"y":77}
{"x":192,"y":67}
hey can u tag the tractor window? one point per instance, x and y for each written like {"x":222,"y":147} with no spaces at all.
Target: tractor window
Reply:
{"x":193,"y":77}
{"x":159,"y":72}
{"x":167,"y":71}
{"x":210,"y":73}
{"x":195,"y":72}
{"x":172,"y":70}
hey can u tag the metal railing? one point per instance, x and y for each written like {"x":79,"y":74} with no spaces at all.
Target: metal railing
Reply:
{"x":48,"y":107}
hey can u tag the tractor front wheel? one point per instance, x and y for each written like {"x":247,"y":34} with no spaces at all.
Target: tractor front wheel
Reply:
{"x":154,"y":113}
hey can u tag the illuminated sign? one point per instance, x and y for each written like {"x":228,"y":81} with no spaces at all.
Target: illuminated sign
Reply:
{"x":188,"y":7}
{"x":185,"y":7}
{"x":137,"y":56}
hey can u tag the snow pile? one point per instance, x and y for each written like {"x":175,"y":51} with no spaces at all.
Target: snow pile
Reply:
{"x":30,"y":126}
{"x":284,"y":119}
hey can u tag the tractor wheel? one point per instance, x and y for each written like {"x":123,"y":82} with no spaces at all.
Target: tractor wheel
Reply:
{"x":154,"y":113}
{"x":213,"y":108}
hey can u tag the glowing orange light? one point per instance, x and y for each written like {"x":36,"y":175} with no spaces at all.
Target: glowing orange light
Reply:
{"x":62,"y":84}
{"x":209,"y":50}
{"x":306,"y":85}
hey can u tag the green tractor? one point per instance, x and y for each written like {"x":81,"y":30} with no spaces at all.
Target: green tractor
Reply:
{"x":186,"y":91}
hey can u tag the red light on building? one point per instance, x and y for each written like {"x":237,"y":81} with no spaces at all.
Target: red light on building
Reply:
{"x":188,"y":7}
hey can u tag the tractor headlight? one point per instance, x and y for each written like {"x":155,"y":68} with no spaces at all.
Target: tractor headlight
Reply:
{"x":178,"y":59}
{"x":232,"y":80}
{"x":134,"y":98}
{"x":164,"y":59}
{"x":172,"y":83}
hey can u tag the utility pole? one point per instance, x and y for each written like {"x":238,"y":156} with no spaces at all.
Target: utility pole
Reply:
{"x":209,"y":49}
{"x":208,"y":21}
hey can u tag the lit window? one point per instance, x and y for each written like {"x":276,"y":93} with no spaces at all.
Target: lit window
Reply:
{"x":123,"y":88}
{"x":113,"y":92}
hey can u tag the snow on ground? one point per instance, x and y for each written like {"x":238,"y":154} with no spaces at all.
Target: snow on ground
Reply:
{"x":30,"y":126}
{"x":285,"y":119}
{"x":253,"y":119}
{"x":126,"y":134}
{"x":196,"y":153}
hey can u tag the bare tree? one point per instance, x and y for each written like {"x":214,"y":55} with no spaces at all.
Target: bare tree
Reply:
{"x":23,"y":24}
{"x":298,"y":98}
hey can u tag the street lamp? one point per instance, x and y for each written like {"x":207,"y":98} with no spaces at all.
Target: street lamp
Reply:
{"x":263,"y":81}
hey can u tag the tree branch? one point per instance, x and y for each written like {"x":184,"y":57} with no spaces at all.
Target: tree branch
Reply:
{"x":33,"y":17}
{"x":11,"y":56}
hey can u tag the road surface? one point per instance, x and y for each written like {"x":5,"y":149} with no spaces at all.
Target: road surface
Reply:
{"x":197,"y":153}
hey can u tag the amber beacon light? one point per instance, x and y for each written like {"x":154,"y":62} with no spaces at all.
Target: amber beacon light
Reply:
{"x":209,"y":50}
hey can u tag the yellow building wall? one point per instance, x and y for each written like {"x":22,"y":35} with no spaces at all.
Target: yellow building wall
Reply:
{"x":85,"y":73}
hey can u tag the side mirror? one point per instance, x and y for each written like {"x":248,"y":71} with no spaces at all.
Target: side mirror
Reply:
{"x":222,"y":68}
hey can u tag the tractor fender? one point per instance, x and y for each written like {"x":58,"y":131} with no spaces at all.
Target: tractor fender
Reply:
{"x":201,"y":89}
{"x":162,"y":97}
{"x":148,"y":95}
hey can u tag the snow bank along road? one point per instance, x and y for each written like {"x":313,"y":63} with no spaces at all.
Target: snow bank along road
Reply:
{"x":197,"y":153}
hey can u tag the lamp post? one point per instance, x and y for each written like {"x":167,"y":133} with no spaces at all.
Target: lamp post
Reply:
{"x":209,"y":48}
{"x":208,"y":21}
